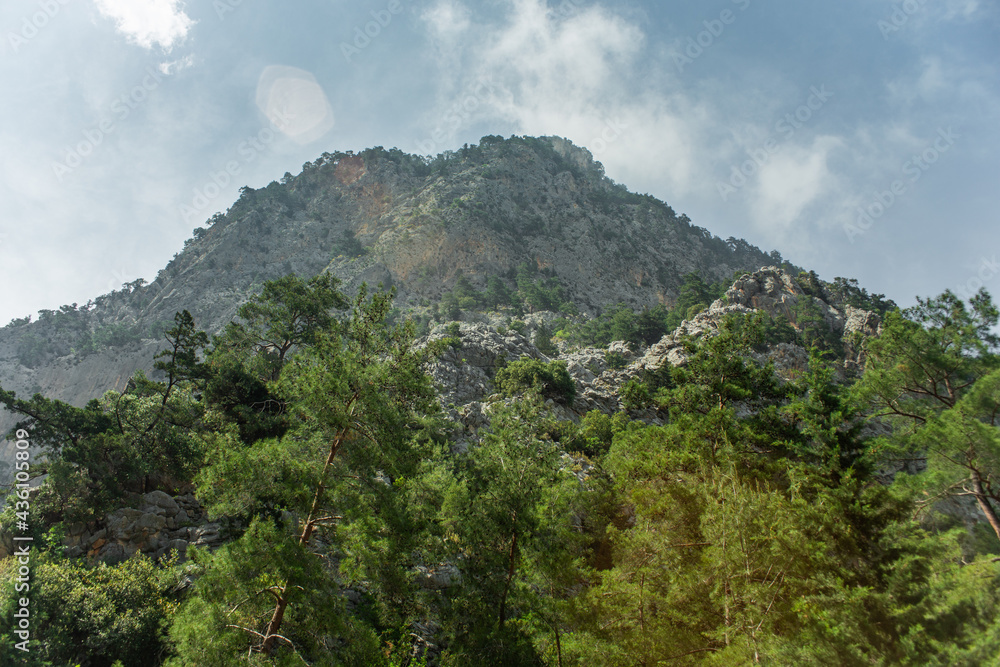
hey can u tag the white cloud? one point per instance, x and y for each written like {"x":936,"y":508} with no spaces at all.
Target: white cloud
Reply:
{"x":795,"y":178}
{"x":574,"y":72}
{"x":148,"y":22}
{"x":175,"y":66}
{"x":447,"y":19}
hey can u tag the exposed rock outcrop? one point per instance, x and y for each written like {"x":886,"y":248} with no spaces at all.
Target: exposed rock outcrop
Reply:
{"x":465,"y":372}
{"x":162,"y":523}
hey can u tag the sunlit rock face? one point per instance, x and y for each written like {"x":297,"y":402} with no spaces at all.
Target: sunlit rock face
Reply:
{"x":383,"y":217}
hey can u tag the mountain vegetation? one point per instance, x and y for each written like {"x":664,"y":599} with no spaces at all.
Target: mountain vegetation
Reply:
{"x":750,"y":526}
{"x":537,"y":442}
{"x":528,"y":221}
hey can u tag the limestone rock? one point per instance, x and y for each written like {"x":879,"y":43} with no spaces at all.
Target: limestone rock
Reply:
{"x":439,"y":577}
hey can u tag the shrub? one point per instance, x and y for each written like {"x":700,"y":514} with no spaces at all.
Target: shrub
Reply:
{"x":615,"y":360}
{"x":116,"y":612}
{"x":543,"y":341}
{"x":636,"y":395}
{"x":551,"y":380}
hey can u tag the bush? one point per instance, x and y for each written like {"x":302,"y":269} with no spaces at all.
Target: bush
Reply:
{"x":454,"y":342}
{"x":543,"y":341}
{"x":615,"y":360}
{"x":636,"y":395}
{"x":593,"y":435}
{"x":550,"y":380}
{"x":94,"y":615}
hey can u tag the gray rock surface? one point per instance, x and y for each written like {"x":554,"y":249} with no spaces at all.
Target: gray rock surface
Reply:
{"x":541,"y":202}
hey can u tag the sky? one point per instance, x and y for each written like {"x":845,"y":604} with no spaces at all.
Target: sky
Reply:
{"x":860,"y":138}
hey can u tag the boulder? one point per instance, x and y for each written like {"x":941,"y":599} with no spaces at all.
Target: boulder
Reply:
{"x":167,"y":505}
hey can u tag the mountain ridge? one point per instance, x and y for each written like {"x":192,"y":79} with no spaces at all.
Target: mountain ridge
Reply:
{"x":419,"y":225}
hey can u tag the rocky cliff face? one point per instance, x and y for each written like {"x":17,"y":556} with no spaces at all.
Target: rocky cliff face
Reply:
{"x":385,"y":217}
{"x":465,"y":374}
{"x":158,"y":523}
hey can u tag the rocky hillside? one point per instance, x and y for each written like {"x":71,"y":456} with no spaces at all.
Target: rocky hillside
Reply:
{"x":540,"y":205}
{"x":465,"y":379}
{"x":465,"y":373}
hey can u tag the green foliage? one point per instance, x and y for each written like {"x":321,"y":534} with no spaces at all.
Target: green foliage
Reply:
{"x":31,"y":350}
{"x":356,"y":396}
{"x":816,"y":331}
{"x":117,"y":334}
{"x":506,"y":517}
{"x":719,"y":373}
{"x":89,"y":614}
{"x":236,"y":593}
{"x":532,"y":293}
{"x":594,"y":434}
{"x":615,"y":360}
{"x":248,"y":357}
{"x":288,"y":312}
{"x":776,"y":330}
{"x":928,"y":356}
{"x":99,"y":453}
{"x":538,"y":293}
{"x":829,"y":423}
{"x":648,"y":326}
{"x":636,"y":395}
{"x":725,"y":556}
{"x":934,"y":373}
{"x":550,"y":379}
{"x":543,"y":341}
{"x":350,"y":246}
{"x":497,"y":294}
{"x":847,"y":291}
{"x":748,"y":526}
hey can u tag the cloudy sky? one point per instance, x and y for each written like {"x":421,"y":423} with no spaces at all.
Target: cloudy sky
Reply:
{"x":858,"y":137}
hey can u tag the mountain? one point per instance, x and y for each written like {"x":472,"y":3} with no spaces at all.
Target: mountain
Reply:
{"x":614,"y":439}
{"x":542,"y":205}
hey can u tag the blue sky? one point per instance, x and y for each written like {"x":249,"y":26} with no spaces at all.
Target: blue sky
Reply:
{"x":859,"y":138}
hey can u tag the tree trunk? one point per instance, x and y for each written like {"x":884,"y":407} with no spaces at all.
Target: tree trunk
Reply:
{"x":510,"y":576}
{"x":274,"y":625}
{"x":984,"y":502}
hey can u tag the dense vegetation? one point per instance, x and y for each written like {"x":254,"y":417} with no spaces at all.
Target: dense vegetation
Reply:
{"x":83,"y":330}
{"x":756,"y":526}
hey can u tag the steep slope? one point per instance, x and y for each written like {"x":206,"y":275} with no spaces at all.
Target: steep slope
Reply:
{"x":465,"y":375}
{"x":400,"y":220}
